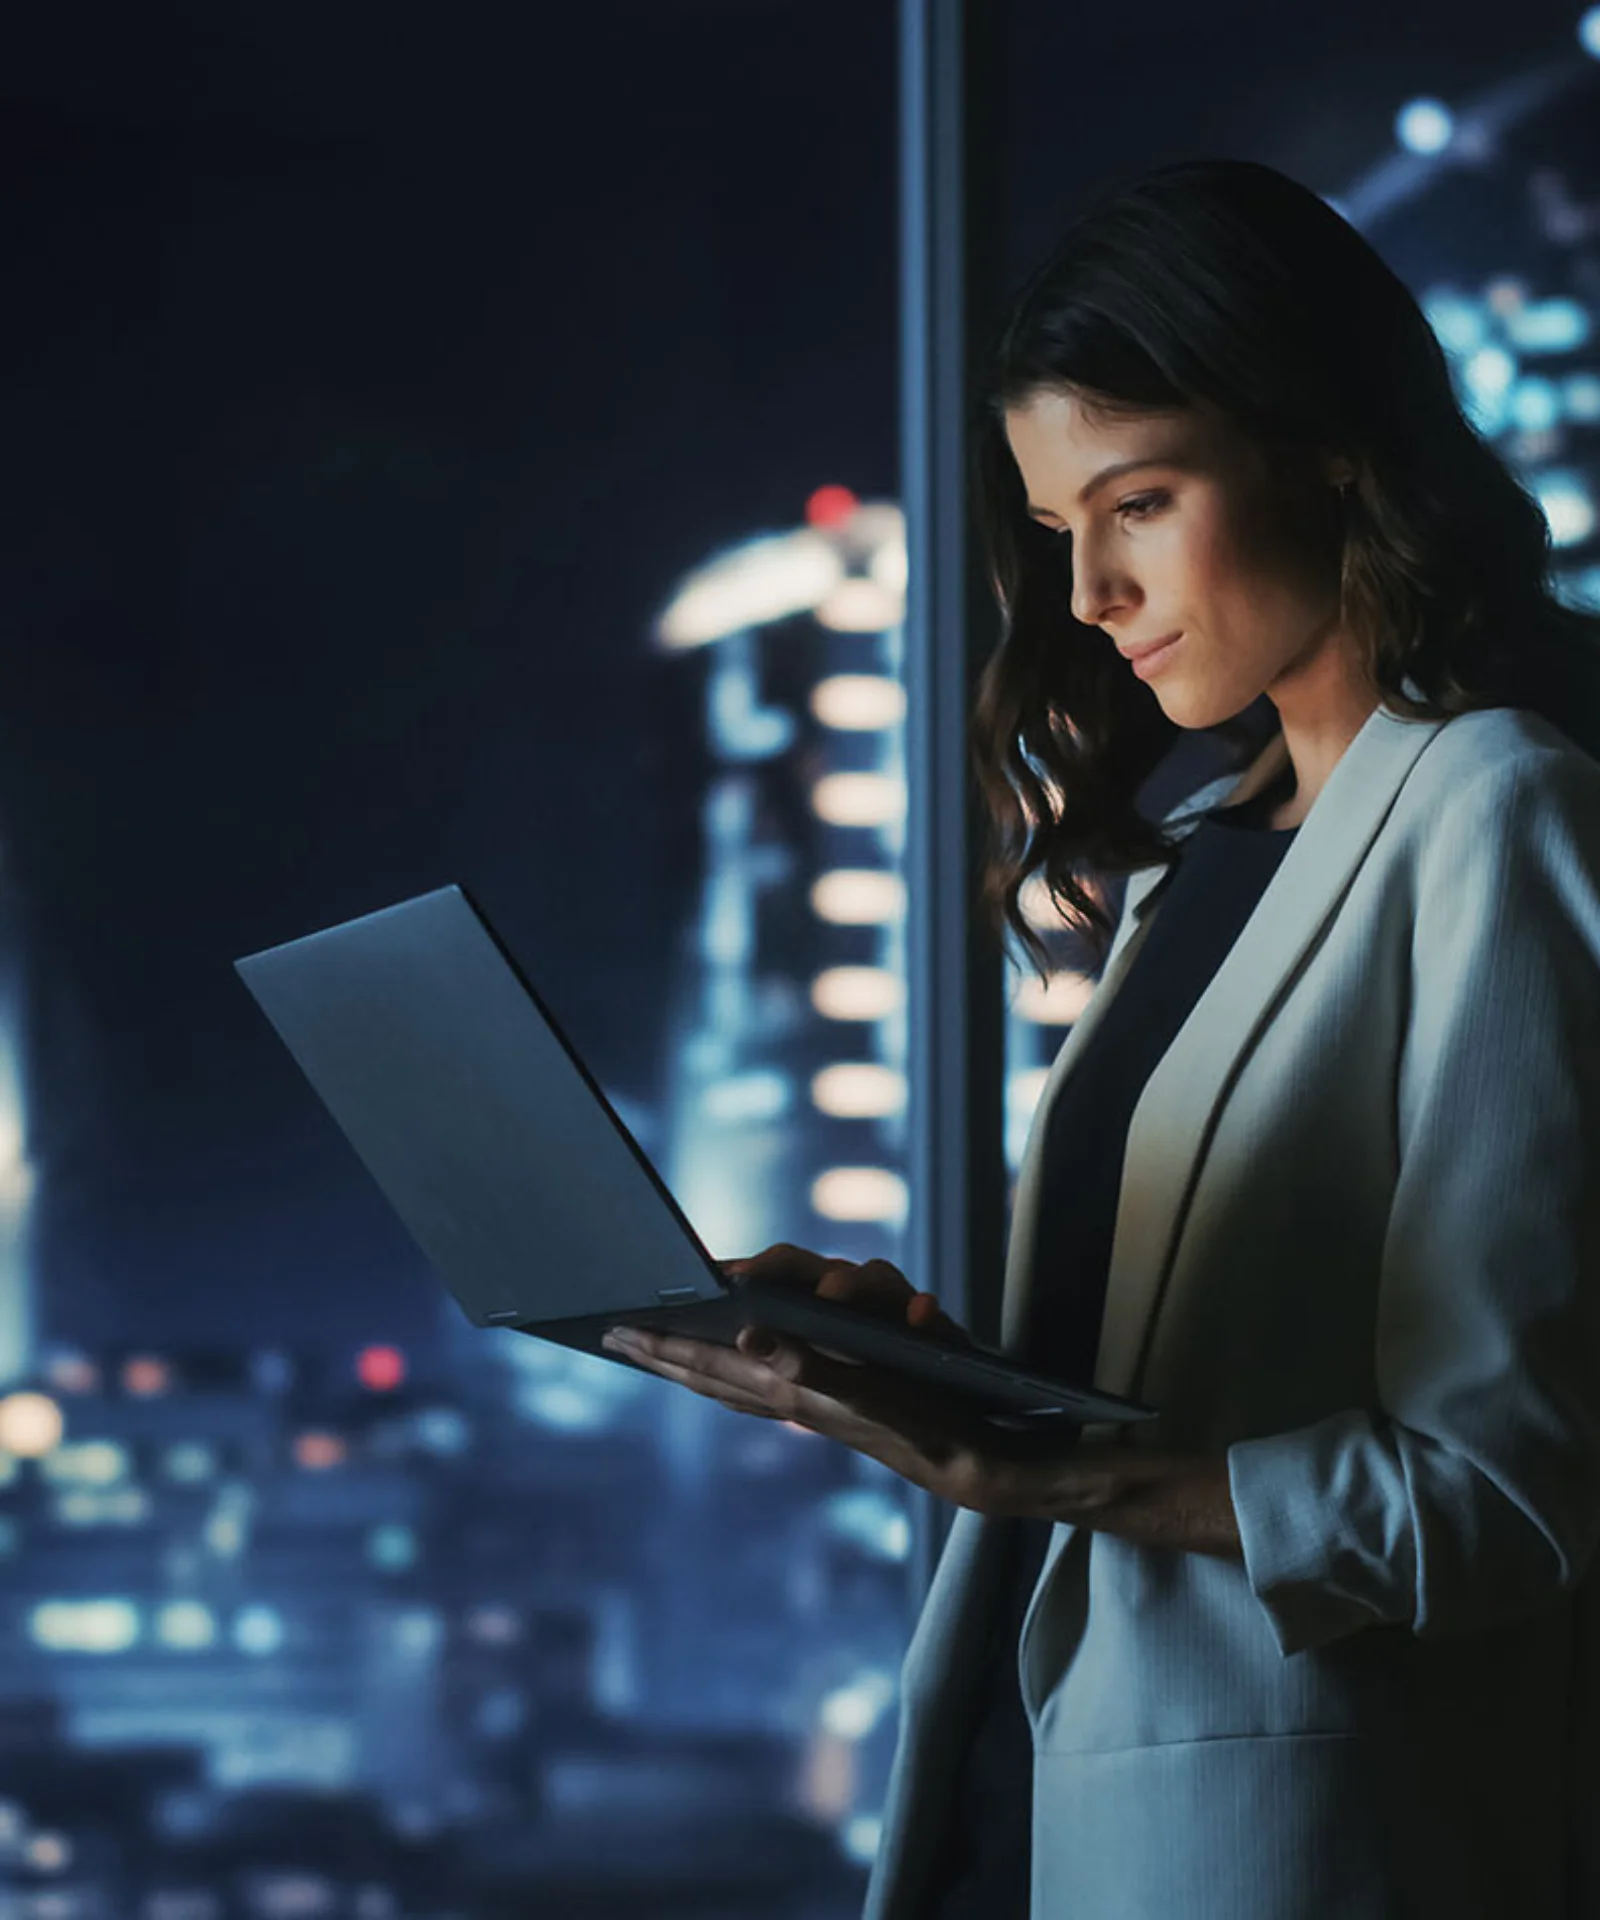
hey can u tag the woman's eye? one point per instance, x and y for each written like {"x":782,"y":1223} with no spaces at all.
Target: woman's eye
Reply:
{"x":1141,"y":505}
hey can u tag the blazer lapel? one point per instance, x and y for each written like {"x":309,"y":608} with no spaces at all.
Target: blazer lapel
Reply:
{"x":1172,"y":1121}
{"x":1143,"y":890}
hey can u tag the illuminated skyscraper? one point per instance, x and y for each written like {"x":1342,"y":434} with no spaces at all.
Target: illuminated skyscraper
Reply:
{"x":787,"y":1085}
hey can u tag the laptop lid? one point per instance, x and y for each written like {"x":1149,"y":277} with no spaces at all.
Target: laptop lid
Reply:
{"x":472,"y":1112}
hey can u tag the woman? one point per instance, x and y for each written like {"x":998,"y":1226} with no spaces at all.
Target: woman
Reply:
{"x":1317,"y":1171}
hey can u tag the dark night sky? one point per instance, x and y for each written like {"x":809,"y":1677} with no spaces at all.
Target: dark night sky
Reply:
{"x":369,"y":376}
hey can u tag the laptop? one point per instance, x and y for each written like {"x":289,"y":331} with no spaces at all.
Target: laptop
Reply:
{"x":495,"y":1145}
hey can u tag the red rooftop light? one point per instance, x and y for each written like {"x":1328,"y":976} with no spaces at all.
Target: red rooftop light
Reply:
{"x":831,"y":506}
{"x":380,"y":1369}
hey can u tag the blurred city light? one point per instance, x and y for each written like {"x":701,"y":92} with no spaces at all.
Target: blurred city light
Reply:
{"x":765,"y":579}
{"x":851,"y":1712}
{"x":103,"y":1507}
{"x":831,"y":506}
{"x":860,"y":1836}
{"x":72,"y":1373}
{"x":889,"y":565}
{"x":1038,"y":906}
{"x":1547,"y":326}
{"x":566,"y":1407}
{"x":858,"y":1090}
{"x":746,"y":1098}
{"x":381,"y":1369}
{"x":857,"y":993}
{"x":859,"y":799}
{"x":90,"y":1463}
{"x":872,"y":1520}
{"x":190,"y":1463}
{"x":258,"y":1631}
{"x":1424,"y":126}
{"x":442,"y":1430}
{"x":1458,"y":323}
{"x":186,"y":1625}
{"x":1056,"y":1002}
{"x":1589,"y":31}
{"x":30,"y":1424}
{"x":1534,"y":405}
{"x":316,"y":1452}
{"x":1580,"y":395}
{"x":858,"y":702}
{"x":859,"y":1193}
{"x":1568,"y":506}
{"x":858,"y":897}
{"x":146,"y":1376}
{"x":84,"y":1626}
{"x":860,"y":604}
{"x":392,"y":1547}
{"x":47,"y":1852}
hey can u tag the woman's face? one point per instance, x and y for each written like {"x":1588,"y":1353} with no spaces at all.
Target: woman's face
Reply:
{"x":1179,"y":525}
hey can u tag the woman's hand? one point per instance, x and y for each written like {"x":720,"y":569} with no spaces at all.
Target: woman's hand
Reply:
{"x":927,"y":1435}
{"x":923,"y":1434}
{"x":872,"y":1286}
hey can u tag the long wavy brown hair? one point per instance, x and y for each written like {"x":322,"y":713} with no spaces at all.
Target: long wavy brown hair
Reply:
{"x":1226,"y":283}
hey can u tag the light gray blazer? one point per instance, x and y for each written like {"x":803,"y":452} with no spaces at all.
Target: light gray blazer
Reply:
{"x":1357,"y":1248}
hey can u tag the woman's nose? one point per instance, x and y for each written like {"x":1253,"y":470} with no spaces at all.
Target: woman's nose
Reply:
{"x":1096,"y":593}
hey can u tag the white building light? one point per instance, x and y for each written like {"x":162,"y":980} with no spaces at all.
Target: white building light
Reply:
{"x":186,"y":1625}
{"x":861,"y":604}
{"x":103,"y":1507}
{"x":860,"y":1837}
{"x":859,"y":799}
{"x":190,"y":1463}
{"x":1534,"y":405}
{"x":1568,"y":506}
{"x":1548,"y":326}
{"x":1024,"y":1090}
{"x":258,"y":1631}
{"x":859,"y":1090}
{"x":743,"y":1098}
{"x":87,"y":1463}
{"x":48,"y":1852}
{"x":1580,"y":395}
{"x":851,"y":1712}
{"x":1424,"y":126}
{"x":859,"y":1194}
{"x":392,"y":1546}
{"x":871,"y":1519}
{"x":1038,"y":908}
{"x":1056,"y":1002}
{"x":84,"y":1626}
{"x":766,"y":579}
{"x":857,"y":993}
{"x":30,"y":1425}
{"x":1458,"y":323}
{"x":858,"y":897}
{"x":859,"y":702}
{"x":889,"y":565}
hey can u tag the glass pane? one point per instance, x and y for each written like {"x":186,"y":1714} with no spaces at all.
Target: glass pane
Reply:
{"x":535,"y":399}
{"x":1461,"y":144}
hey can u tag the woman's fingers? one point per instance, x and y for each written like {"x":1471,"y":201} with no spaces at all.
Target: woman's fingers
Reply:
{"x":924,"y":1313}
{"x":783,"y":1264}
{"x":873,"y":1286}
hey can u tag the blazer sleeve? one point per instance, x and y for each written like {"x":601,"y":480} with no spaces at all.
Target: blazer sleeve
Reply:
{"x":1471,"y":1494}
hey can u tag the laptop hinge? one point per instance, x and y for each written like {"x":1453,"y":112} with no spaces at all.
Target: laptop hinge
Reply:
{"x":676,"y":1296}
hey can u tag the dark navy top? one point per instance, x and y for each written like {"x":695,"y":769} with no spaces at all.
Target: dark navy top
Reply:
{"x":1223,"y":869}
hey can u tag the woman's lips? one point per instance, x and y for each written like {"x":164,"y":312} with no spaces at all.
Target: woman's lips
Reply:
{"x":1156,"y":658}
